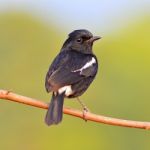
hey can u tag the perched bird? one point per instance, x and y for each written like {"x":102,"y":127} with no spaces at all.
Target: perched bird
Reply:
{"x":71,"y":72}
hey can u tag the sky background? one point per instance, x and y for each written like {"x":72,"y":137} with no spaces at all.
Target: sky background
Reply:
{"x":96,"y":15}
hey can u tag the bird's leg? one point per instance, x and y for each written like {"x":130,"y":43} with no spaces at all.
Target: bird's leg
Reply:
{"x":83,"y":105}
{"x":85,"y":109}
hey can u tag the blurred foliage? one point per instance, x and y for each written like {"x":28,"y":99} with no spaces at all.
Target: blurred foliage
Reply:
{"x":121,"y":88}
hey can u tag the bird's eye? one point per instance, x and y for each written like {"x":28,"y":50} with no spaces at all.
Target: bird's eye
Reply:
{"x":79,"y":40}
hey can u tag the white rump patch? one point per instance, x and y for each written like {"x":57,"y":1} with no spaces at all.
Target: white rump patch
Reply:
{"x":87,"y":65}
{"x":67,"y":89}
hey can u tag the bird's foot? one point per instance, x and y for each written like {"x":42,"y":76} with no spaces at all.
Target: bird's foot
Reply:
{"x":85,"y":109}
{"x":8,"y":91}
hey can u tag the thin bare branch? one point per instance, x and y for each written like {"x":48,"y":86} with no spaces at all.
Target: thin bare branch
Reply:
{"x":7,"y":95}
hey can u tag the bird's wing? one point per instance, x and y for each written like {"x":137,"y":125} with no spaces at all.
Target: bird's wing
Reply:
{"x":69,"y":68}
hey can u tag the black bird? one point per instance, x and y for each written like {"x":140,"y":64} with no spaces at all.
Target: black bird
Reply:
{"x":71,"y":72}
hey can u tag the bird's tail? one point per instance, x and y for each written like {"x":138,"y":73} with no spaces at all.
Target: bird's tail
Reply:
{"x":55,"y":111}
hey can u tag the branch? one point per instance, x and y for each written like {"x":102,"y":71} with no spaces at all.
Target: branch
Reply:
{"x":4,"y":94}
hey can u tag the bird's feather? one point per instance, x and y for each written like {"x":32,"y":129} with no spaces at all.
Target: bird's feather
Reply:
{"x":61,"y":72}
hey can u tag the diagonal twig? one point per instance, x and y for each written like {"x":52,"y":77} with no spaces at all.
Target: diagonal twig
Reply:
{"x":7,"y":95}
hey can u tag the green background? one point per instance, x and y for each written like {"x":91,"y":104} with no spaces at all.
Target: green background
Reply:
{"x":121,"y":88}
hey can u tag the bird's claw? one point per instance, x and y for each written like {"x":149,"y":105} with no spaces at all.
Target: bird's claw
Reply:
{"x":85,"y":111}
{"x":8,"y":91}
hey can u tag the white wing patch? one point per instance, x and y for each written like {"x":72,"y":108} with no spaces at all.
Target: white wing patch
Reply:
{"x":87,"y":65}
{"x":67,"y":89}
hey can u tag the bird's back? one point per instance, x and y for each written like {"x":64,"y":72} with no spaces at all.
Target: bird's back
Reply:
{"x":71,"y":67}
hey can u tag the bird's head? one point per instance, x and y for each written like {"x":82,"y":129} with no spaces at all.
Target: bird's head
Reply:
{"x":80,"y":40}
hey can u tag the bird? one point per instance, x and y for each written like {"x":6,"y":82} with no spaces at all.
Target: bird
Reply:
{"x":71,"y":72}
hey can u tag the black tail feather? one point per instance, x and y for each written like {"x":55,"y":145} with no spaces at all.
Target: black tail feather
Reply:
{"x":55,"y":111}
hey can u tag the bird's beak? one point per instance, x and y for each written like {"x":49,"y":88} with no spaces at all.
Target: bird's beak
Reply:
{"x":94,"y":38}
